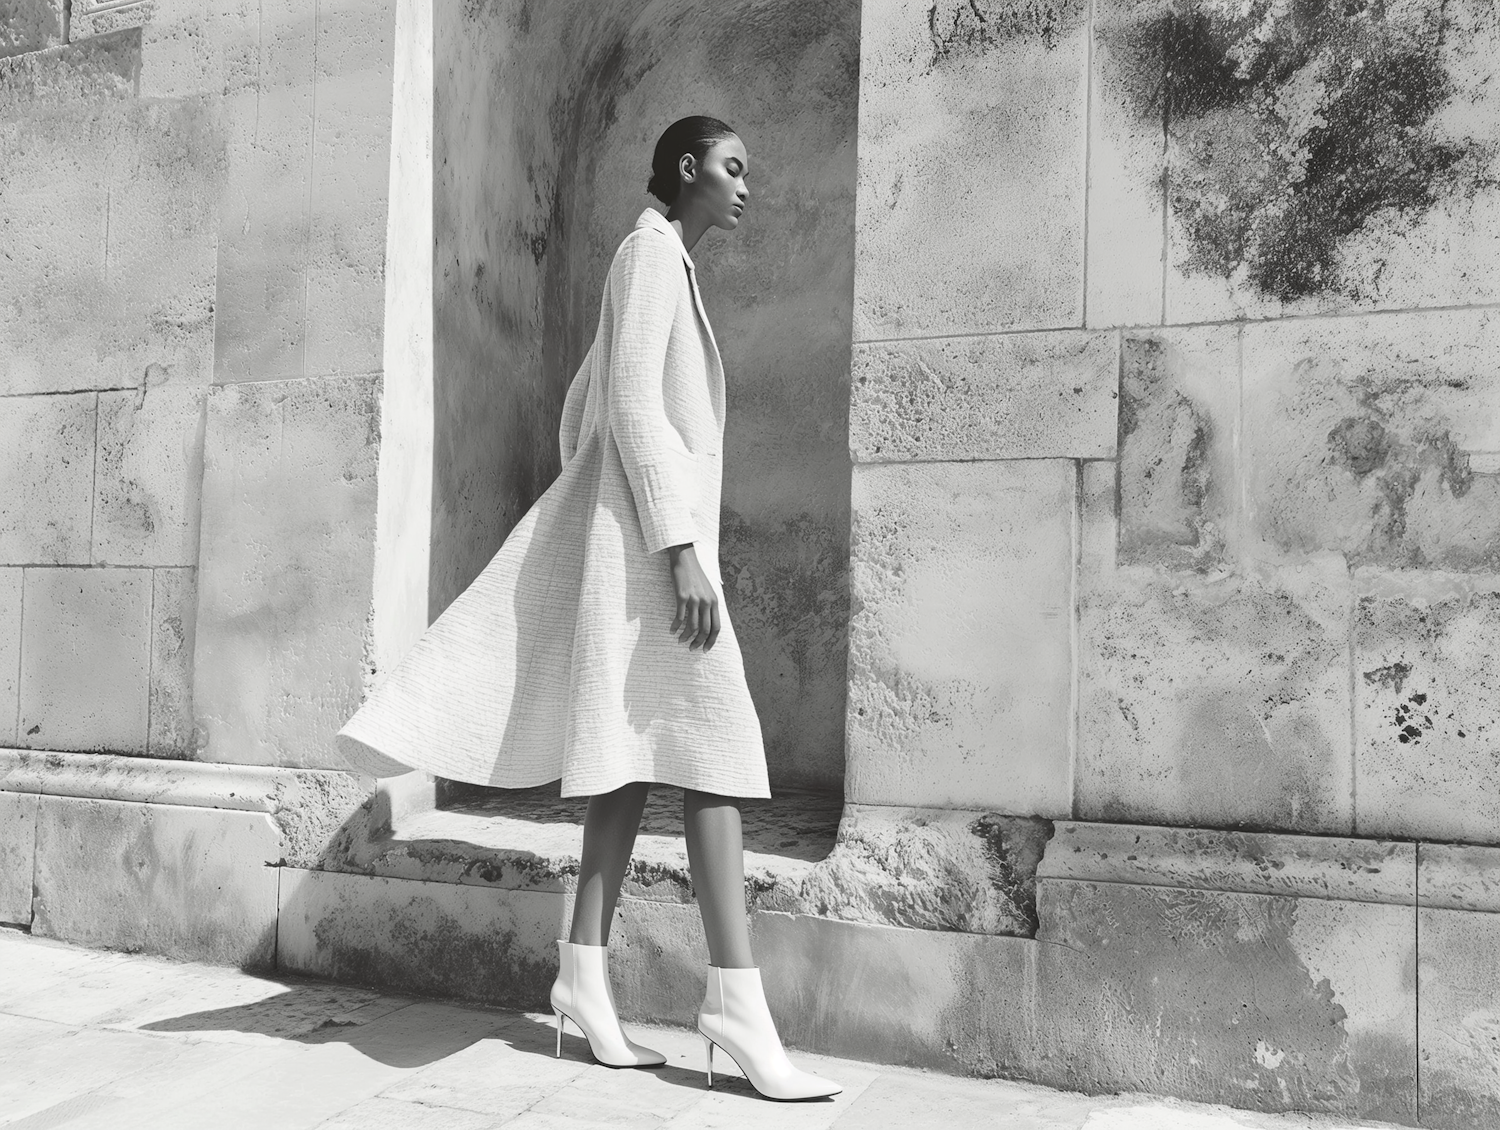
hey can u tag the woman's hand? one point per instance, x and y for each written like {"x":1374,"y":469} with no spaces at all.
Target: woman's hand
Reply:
{"x":697,"y":621}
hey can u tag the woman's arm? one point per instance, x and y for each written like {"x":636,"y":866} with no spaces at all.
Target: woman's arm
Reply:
{"x":644,"y":283}
{"x":644,"y":290}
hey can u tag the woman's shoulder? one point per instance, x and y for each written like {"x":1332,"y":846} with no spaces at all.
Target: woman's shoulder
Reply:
{"x":649,"y":242}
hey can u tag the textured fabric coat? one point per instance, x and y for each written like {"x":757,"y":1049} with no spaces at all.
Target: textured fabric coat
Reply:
{"x":558,"y":661}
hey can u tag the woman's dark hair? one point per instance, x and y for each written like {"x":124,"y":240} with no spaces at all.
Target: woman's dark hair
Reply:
{"x":695,"y":135}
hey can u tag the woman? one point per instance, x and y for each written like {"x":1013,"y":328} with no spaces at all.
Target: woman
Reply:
{"x":595,"y":646}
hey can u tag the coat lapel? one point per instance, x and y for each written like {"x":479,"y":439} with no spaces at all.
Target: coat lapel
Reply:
{"x":654,"y":219}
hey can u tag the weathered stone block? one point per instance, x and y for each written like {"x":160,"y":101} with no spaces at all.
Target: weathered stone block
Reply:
{"x":30,"y":25}
{"x":960,"y":654}
{"x":346,"y":247}
{"x":1459,"y":1027}
{"x":931,"y":869}
{"x":260,"y":302}
{"x":147,"y":477}
{"x":184,"y":47}
{"x":1220,"y":701}
{"x":1127,"y":159}
{"x":174,"y":611}
{"x":436,"y":938}
{"x":946,"y":1001}
{"x":1306,"y":1004}
{"x":351,"y":148}
{"x":46,"y":479}
{"x":17,"y":856}
{"x":1013,"y":396}
{"x":1358,"y":434}
{"x":10,"y":653}
{"x":1004,"y":83}
{"x":156,"y":324}
{"x":1179,"y":392}
{"x":186,"y":882}
{"x":55,"y":278}
{"x":113,"y":284}
{"x":284,"y":588}
{"x":1427,"y":719}
{"x":658,"y":958}
{"x":85,"y":659}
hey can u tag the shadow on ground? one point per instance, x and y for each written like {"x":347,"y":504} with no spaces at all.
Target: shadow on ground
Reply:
{"x":408,"y":1033}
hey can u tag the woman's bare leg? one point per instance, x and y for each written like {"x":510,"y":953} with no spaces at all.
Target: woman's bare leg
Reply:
{"x":716,"y":854}
{"x":608,"y":838}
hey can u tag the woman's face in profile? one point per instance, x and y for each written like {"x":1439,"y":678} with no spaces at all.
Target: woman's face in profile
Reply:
{"x":718,"y":185}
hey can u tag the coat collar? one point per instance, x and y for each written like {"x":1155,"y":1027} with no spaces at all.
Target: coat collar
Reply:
{"x":651,"y":218}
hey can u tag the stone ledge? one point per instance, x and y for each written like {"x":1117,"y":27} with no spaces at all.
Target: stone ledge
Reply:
{"x":307,"y":805}
{"x":1458,"y":877}
{"x":1376,"y":871}
{"x":805,"y":853}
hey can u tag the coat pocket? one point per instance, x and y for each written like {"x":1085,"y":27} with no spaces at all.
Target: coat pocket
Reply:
{"x":697,"y":476}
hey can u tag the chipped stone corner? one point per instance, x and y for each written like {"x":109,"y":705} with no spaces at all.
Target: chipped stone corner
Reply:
{"x":932,"y":869}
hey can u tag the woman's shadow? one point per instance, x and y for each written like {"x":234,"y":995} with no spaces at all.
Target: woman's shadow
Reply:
{"x":408,"y":1032}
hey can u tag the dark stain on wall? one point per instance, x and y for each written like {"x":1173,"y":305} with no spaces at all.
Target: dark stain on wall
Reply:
{"x":973,"y":27}
{"x":1254,"y":187}
{"x":1165,"y":441}
{"x":1413,"y":719}
{"x":1013,"y":849}
{"x":1393,"y":676}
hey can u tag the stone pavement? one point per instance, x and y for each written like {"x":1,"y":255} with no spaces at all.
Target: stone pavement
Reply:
{"x":95,"y":1039}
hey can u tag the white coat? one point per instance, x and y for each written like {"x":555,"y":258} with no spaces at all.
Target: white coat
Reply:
{"x":558,"y":661}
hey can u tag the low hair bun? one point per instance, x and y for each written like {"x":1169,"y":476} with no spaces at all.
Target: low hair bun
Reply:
{"x":662,"y":188}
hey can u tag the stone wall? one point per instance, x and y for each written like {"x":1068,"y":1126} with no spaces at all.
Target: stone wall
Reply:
{"x":1174,"y":414}
{"x":547,"y":115}
{"x":1174,"y":422}
{"x":195,"y":220}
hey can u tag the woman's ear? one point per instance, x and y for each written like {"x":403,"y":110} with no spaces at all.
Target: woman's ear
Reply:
{"x":687,"y":168}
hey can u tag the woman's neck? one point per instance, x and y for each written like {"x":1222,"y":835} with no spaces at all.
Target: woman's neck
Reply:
{"x":690,"y":227}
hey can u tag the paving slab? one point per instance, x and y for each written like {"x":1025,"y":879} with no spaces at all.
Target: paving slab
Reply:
{"x":142,"y":1042}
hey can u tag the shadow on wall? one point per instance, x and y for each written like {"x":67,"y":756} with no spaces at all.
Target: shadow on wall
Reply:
{"x":546,"y":118}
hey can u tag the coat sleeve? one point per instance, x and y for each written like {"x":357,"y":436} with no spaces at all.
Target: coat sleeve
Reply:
{"x":644,"y":288}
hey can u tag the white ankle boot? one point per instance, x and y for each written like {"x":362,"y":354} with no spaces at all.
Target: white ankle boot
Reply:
{"x":582,"y":993}
{"x":734,"y":1016}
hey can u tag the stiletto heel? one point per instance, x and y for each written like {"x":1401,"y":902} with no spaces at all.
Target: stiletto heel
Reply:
{"x":583,"y":995}
{"x":735,"y":1017}
{"x":708,"y":1048}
